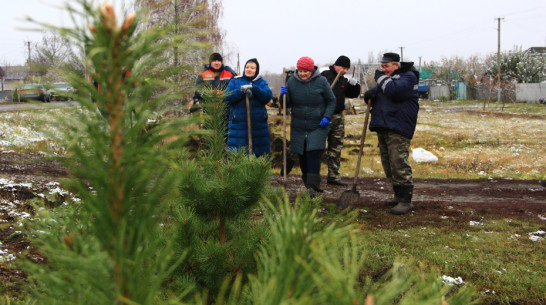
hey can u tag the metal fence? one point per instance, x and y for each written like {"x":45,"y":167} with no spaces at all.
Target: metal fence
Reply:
{"x":531,"y":93}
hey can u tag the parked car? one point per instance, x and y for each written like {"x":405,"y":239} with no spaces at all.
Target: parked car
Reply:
{"x":35,"y":92}
{"x":60,"y":91}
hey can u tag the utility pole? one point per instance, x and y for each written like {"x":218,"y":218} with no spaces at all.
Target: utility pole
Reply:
{"x":238,"y":64}
{"x":498,"y":60}
{"x":28,"y":46}
{"x":401,"y":53}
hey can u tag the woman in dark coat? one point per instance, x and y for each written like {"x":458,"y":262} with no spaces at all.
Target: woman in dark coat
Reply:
{"x":253,"y":85}
{"x":313,"y":103}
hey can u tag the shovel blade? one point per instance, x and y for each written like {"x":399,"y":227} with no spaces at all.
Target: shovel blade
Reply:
{"x":348,"y":198}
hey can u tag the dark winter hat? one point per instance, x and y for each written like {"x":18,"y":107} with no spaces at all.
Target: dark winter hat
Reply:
{"x":390,"y":57}
{"x":254,"y":60}
{"x":306,"y":63}
{"x":343,"y":61}
{"x":215,"y":56}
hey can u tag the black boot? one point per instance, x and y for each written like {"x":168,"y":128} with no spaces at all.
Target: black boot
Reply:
{"x":397,"y":197}
{"x":406,"y":194}
{"x":313,"y":185}
{"x":337,"y":182}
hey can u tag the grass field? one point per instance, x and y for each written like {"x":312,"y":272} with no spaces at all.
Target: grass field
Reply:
{"x":501,"y":258}
{"x":469,"y":140}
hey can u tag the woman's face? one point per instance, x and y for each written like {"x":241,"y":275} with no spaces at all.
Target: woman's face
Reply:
{"x":250,"y":69}
{"x":304,"y":74}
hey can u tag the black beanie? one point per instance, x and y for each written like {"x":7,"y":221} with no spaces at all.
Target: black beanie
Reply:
{"x":343,"y":61}
{"x":254,"y":60}
{"x":215,"y":56}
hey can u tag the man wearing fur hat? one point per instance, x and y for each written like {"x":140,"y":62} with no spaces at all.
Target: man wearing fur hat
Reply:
{"x":215,"y":74}
{"x":395,"y":104}
{"x":344,"y":87}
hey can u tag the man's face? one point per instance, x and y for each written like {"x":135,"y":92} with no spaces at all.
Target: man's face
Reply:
{"x":216,"y":64}
{"x":389,"y":67}
{"x":342,"y":69}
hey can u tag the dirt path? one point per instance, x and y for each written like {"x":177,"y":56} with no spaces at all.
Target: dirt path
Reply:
{"x":499,"y":197}
{"x":438,"y":200}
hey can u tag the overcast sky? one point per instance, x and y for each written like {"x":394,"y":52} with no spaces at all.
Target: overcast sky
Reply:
{"x":278,"y":32}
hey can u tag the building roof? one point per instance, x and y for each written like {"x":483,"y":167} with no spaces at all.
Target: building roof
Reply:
{"x":538,"y":50}
{"x":15,"y":72}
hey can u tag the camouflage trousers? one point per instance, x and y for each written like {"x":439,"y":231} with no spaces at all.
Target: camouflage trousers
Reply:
{"x":394,"y":151}
{"x":336,"y":135}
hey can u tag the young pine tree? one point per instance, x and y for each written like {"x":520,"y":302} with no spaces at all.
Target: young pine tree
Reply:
{"x":111,"y":247}
{"x":218,"y":190}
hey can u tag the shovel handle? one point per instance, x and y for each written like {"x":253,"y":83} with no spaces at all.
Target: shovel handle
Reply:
{"x":248,"y":125}
{"x":335,"y":80}
{"x":284,"y":128}
{"x":362,"y":139}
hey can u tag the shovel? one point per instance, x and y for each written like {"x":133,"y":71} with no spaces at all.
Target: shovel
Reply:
{"x":335,"y":79}
{"x":248,"y":123}
{"x":350,"y":197}
{"x":284,"y":173}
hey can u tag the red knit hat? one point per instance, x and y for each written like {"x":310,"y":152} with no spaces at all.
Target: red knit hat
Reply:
{"x":306,"y":63}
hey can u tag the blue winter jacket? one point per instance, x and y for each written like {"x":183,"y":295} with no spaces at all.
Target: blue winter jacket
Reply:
{"x":237,"y":127}
{"x":396,"y":102}
{"x":310,"y":100}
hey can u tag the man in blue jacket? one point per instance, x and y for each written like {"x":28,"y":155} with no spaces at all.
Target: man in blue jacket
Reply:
{"x":394,"y":117}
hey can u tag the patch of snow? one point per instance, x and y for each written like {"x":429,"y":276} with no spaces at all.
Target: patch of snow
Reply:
{"x":476,"y":223}
{"x":5,"y":256}
{"x":452,"y":281}
{"x":535,"y":236}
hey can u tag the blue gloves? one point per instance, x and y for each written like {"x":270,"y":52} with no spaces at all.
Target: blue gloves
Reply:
{"x":324,"y":122}
{"x":284,"y":90}
{"x":378,"y":74}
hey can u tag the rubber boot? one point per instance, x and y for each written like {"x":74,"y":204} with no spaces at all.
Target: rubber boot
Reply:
{"x":313,"y":184}
{"x":406,"y":193}
{"x":396,"y":199}
{"x":304,"y":178}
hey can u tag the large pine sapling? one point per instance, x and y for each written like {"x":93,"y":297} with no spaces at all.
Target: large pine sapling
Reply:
{"x":217,"y":191}
{"x":111,"y":248}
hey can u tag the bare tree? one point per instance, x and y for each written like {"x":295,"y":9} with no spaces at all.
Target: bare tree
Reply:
{"x":197,"y":20}
{"x":53,"y":52}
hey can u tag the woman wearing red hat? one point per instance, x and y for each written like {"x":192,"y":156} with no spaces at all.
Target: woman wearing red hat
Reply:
{"x":313,"y":103}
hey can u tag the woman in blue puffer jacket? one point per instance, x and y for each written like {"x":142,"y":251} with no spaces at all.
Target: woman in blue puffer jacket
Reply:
{"x":252,"y":84}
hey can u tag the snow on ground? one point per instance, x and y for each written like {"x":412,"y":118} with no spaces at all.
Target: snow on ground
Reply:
{"x":25,"y":129}
{"x":16,"y":211}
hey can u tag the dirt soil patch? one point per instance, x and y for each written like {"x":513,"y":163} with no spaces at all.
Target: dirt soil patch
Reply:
{"x":437,"y":201}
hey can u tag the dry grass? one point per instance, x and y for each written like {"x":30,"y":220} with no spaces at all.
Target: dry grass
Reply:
{"x":469,"y":142}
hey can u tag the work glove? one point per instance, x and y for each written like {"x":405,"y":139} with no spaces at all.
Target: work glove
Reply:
{"x":284,"y":90}
{"x":247,"y":90}
{"x":369,"y":95}
{"x":352,"y":81}
{"x":378,"y":74}
{"x":324,"y":122}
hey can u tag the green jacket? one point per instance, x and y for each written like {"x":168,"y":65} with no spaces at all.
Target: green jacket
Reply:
{"x":310,"y":100}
